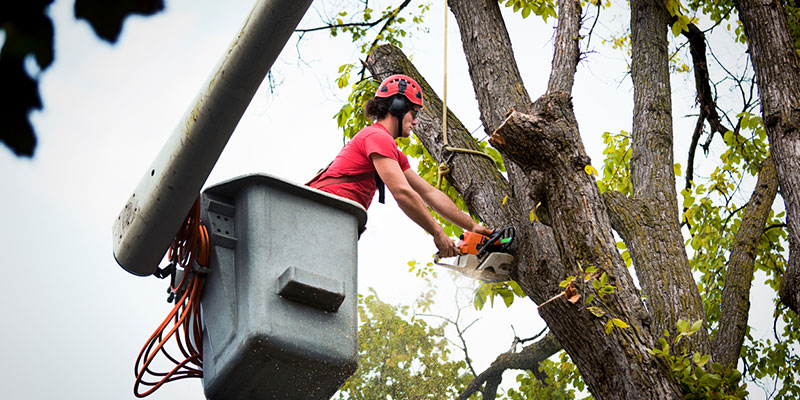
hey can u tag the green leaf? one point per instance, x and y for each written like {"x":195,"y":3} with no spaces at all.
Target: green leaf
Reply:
{"x":516,"y":288}
{"x":596,"y":311}
{"x":701,"y":360}
{"x":676,"y":29}
{"x":683,"y":326}
{"x":619,"y":323}
{"x":696,"y":326}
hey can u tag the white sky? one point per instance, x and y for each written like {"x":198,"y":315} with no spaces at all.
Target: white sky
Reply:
{"x":74,"y":320}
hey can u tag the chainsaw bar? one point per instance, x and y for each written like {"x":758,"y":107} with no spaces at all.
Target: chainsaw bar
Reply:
{"x":493,"y":267}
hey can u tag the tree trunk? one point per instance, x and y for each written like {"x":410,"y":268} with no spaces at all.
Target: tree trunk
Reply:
{"x":652,"y":233}
{"x":777,"y":69}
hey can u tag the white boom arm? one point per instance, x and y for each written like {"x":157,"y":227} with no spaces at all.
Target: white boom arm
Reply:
{"x":154,"y":212}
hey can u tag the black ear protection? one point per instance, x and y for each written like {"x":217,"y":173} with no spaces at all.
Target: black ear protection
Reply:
{"x":400,"y":104}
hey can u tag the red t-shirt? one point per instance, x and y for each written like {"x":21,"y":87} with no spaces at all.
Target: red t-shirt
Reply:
{"x":354,"y":159}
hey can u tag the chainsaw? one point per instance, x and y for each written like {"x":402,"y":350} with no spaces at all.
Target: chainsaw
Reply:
{"x":483,"y":257}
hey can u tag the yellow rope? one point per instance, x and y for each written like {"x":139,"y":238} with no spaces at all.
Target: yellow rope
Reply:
{"x":443,"y":168}
{"x":444,"y":91}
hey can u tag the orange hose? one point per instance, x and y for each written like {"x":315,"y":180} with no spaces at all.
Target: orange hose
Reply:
{"x":191,"y":244}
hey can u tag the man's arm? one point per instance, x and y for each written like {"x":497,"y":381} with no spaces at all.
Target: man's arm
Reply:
{"x":442,"y":204}
{"x":411,"y":203}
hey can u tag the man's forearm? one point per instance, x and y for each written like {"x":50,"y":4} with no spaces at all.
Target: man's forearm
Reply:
{"x":445,"y":207}
{"x":414,"y":207}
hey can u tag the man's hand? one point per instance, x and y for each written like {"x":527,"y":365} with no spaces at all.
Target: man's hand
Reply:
{"x":478,"y":228}
{"x":447,"y":248}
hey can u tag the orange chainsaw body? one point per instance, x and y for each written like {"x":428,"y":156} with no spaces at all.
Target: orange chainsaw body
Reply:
{"x":471,"y":243}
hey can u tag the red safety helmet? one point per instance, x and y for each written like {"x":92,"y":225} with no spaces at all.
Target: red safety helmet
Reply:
{"x":401,"y":84}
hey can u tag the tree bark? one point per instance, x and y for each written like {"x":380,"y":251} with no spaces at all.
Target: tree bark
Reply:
{"x":735,"y":306}
{"x":654,"y":238}
{"x":777,"y":70}
{"x":566,"y":52}
{"x":499,"y":88}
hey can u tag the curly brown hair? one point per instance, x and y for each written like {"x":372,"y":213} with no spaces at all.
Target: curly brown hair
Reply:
{"x":377,"y":107}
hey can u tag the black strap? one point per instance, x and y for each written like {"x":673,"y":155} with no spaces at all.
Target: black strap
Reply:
{"x":381,"y":188}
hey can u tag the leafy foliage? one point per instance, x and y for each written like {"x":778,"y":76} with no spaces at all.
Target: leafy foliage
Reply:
{"x":561,"y":381}
{"x":401,"y":357}
{"x":541,"y":8}
{"x":28,"y":32}
{"x":697,"y":379}
{"x":617,"y":164}
{"x":394,"y":25}
{"x":505,"y":290}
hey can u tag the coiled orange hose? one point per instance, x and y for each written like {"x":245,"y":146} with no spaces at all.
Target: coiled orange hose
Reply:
{"x":191,"y":244}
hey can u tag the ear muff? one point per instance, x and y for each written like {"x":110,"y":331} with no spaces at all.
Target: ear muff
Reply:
{"x":399,"y":106}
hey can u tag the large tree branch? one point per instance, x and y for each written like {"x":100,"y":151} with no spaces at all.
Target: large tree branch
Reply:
{"x":656,"y":243}
{"x":566,"y":53}
{"x":777,"y":69}
{"x":527,"y":359}
{"x":498,"y":87}
{"x":735,"y":306}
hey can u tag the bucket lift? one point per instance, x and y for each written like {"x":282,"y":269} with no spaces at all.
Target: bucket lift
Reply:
{"x":279,"y":321}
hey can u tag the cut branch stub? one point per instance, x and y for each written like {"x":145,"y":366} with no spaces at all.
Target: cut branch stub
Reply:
{"x":534,"y":140}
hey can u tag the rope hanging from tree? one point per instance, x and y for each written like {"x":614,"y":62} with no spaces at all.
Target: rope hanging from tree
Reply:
{"x":443,"y":169}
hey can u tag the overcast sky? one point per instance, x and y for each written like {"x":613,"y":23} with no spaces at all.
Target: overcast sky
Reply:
{"x":73,"y":320}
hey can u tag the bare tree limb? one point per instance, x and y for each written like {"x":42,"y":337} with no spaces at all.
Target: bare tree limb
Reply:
{"x":705,"y":98}
{"x":365,"y":24}
{"x":736,"y":293}
{"x":527,"y":359}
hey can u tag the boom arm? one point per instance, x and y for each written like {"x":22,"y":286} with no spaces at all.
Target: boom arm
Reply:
{"x":154,"y":212}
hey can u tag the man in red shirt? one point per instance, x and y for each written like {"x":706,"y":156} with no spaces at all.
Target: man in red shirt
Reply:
{"x":372,"y":159}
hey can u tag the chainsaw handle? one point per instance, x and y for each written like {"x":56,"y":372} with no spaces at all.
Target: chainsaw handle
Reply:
{"x":497,"y":235}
